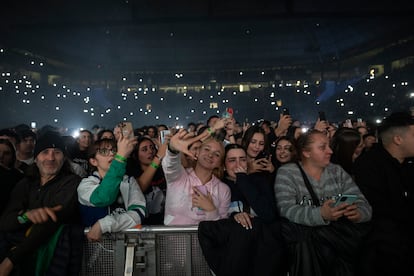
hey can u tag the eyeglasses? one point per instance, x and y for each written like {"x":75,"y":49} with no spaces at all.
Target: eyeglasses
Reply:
{"x":106,"y":151}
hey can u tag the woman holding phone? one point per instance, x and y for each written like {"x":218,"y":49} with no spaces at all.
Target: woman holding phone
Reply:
{"x":194,"y":194}
{"x":249,"y":242}
{"x":315,"y":226}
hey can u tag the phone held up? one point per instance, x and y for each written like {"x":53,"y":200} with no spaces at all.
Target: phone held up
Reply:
{"x":127,"y":129}
{"x":322,"y":116}
{"x":164,"y":133}
{"x":228,"y":113}
{"x":285,"y":111}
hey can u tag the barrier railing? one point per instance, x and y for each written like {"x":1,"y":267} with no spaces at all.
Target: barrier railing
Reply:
{"x":151,"y":250}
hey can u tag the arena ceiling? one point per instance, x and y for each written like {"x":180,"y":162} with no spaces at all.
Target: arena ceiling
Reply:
{"x":205,"y":35}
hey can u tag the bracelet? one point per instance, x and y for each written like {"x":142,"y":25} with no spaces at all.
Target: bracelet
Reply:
{"x":171,"y":150}
{"x":22,"y":219}
{"x":155,"y":166}
{"x":211,"y":132}
{"x":120,"y":158}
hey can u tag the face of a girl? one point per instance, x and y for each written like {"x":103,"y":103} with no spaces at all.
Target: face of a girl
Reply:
{"x":256,"y":145}
{"x":146,"y":152}
{"x":235,"y":158}
{"x":210,"y":155}
{"x":283,"y":151}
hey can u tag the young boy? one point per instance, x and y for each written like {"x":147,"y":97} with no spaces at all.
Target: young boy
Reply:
{"x":110,"y":200}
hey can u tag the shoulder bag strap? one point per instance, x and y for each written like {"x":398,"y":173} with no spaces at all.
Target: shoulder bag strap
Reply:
{"x":308,"y":186}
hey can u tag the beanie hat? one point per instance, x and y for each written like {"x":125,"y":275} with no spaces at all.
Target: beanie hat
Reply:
{"x":49,"y":140}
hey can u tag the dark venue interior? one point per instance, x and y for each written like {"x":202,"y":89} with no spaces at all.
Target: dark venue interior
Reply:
{"x":79,"y":63}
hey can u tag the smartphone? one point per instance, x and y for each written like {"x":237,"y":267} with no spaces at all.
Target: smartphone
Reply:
{"x":322,"y":116}
{"x":127,"y":129}
{"x":359,"y":120}
{"x":261,"y":155}
{"x":285,"y":111}
{"x":202,"y":189}
{"x":164,"y":133}
{"x":345,"y":198}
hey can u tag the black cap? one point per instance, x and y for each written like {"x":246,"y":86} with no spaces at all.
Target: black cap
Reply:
{"x":49,"y":140}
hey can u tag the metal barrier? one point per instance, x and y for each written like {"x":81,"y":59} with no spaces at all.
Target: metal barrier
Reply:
{"x":152,"y":250}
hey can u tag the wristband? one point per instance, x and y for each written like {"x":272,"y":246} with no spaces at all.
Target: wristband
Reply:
{"x":120,"y":158}
{"x":155,"y":166}
{"x":22,"y":219}
{"x":171,"y":150}
{"x":210,"y":131}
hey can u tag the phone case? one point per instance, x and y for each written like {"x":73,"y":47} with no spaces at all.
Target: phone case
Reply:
{"x":202,"y":189}
{"x":345,"y":199}
{"x":127,"y":129}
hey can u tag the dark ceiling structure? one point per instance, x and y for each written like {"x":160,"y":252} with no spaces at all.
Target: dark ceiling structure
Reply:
{"x":206,"y":35}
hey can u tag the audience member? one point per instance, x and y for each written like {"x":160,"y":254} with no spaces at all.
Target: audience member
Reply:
{"x":385,"y":175}
{"x":269,"y":131}
{"x":79,"y":152}
{"x":43,"y":202}
{"x":346,"y":145}
{"x":285,"y":151}
{"x":9,"y":175}
{"x":249,"y":242}
{"x":105,"y":133}
{"x":194,"y":194}
{"x":323,"y":238}
{"x":110,"y":200}
{"x":24,"y":148}
{"x":145,"y":166}
{"x":258,"y":153}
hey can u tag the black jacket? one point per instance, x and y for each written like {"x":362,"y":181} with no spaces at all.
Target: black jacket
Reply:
{"x":29,"y":194}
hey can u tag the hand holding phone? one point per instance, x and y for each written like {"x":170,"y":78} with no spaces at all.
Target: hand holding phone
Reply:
{"x":261,"y":155}
{"x":127,"y":129}
{"x":164,"y":133}
{"x":322,"y":116}
{"x":285,"y":111}
{"x":345,"y":199}
{"x":202,"y":189}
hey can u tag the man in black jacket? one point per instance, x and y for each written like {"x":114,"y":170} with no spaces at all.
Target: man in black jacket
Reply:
{"x":39,"y":205}
{"x":385,"y":175}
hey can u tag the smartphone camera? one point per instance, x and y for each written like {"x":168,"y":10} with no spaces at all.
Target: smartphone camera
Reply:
{"x":285,"y":111}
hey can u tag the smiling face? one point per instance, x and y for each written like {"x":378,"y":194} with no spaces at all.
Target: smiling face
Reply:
{"x":210,"y":155}
{"x":256,"y":145}
{"x":49,"y":162}
{"x":235,"y":158}
{"x":284,"y":151}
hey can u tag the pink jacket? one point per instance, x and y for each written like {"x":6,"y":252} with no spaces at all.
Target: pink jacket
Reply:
{"x":178,"y":205}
